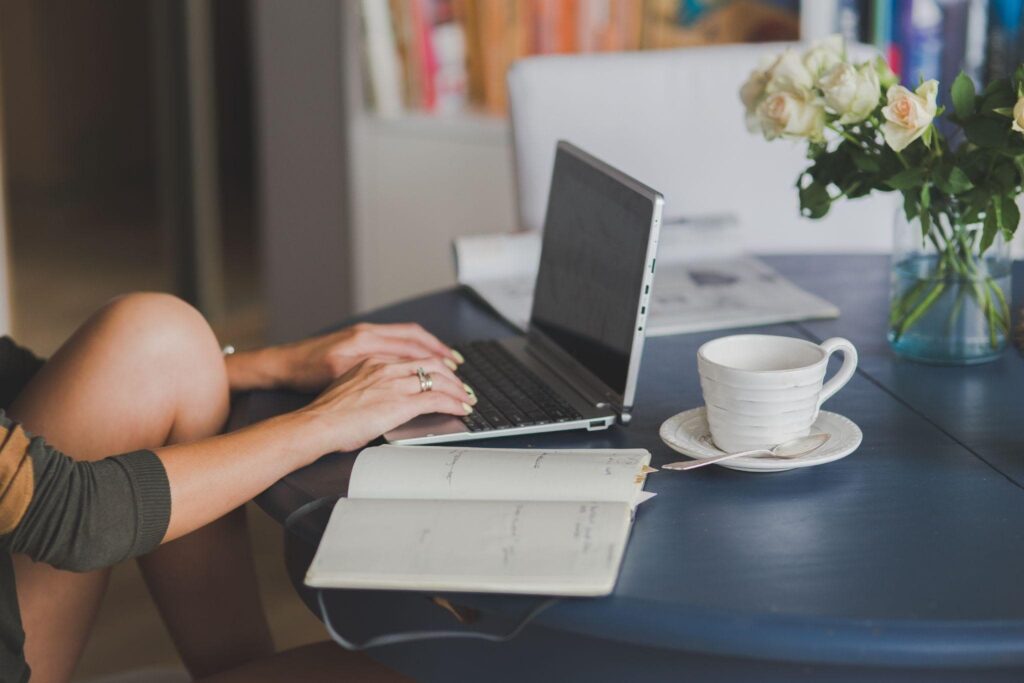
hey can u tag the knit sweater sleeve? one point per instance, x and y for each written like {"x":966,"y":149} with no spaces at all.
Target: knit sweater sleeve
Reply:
{"x":78,"y":515}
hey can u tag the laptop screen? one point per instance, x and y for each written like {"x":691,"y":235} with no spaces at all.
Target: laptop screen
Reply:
{"x":592,"y":267}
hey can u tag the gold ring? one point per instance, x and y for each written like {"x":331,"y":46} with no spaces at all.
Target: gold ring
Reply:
{"x":426,"y":381}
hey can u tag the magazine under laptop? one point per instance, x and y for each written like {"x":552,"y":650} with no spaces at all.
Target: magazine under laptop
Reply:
{"x":696,"y":289}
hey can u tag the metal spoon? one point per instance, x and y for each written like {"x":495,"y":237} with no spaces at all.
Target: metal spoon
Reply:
{"x":793,"y":448}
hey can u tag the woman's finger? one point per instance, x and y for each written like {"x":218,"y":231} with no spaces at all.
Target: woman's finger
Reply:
{"x":434,"y":366}
{"x":429,"y":402}
{"x":404,"y":348}
{"x":438,"y":383}
{"x":415,"y":332}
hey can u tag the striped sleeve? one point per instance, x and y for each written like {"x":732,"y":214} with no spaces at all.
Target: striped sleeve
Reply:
{"x":16,"y":478}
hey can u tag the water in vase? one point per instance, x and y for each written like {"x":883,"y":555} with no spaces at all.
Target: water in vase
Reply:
{"x":944,"y":318}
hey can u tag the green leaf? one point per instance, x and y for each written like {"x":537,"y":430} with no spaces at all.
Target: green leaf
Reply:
{"x":1011,"y":216}
{"x":1004,"y":177}
{"x":963,"y":95}
{"x":927,"y":137}
{"x":1018,"y":162}
{"x":993,"y":86}
{"x":910,"y":205}
{"x":952,"y":180}
{"x":989,"y":230}
{"x":907,"y":178}
{"x":865,"y":162}
{"x":999,"y":93}
{"x":1004,"y":111}
{"x":814,"y":200}
{"x":926,"y":223}
{"x":987,"y":132}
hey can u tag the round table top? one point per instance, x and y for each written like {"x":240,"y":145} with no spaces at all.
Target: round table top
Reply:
{"x":908,"y":552}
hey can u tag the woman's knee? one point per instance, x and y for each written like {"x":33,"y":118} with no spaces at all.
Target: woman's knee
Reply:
{"x":171,"y":339}
{"x":162,"y":320}
{"x":158,"y":345}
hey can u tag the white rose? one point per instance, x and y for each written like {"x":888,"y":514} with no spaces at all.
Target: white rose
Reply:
{"x":908,"y":114}
{"x":1018,"y":116}
{"x":792,"y":115}
{"x":753,"y":91}
{"x":825,"y":54}
{"x":789,"y":74}
{"x":850,"y":92}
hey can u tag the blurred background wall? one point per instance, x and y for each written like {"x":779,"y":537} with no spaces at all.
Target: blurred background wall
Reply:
{"x":82,"y":133}
{"x":95,"y":141}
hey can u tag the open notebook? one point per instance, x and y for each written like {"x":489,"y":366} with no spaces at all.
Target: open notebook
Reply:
{"x":696,"y":288}
{"x":544,"y":522}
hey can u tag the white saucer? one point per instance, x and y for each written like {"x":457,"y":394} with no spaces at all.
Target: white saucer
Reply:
{"x":688,"y":433}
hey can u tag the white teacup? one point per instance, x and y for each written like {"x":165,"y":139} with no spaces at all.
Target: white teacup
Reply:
{"x":761,"y":390}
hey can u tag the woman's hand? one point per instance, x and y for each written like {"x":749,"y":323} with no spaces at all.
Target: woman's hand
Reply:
{"x":311,"y":364}
{"x":376,"y":396}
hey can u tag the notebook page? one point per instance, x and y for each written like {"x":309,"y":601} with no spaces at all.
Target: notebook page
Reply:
{"x":473,"y":546}
{"x":454,"y":473}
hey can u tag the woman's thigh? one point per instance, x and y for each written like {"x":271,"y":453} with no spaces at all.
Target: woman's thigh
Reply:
{"x":142,"y":372}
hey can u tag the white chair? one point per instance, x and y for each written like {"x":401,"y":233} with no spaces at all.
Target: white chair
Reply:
{"x":673,"y":119}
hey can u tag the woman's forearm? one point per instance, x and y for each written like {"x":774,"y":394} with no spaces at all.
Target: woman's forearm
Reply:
{"x":209,"y":478}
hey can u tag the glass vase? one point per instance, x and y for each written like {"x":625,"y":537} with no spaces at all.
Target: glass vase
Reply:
{"x":948,"y":303}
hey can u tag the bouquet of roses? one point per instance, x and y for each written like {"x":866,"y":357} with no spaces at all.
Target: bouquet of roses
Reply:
{"x":866,"y":132}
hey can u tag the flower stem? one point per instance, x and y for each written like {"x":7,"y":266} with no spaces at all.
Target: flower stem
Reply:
{"x":919,"y":310}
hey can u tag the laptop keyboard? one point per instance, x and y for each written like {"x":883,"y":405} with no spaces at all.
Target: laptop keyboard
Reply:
{"x":508,"y":394}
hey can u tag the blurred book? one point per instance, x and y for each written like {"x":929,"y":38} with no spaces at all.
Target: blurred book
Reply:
{"x":444,"y":56}
{"x":449,"y":55}
{"x":696,"y":287}
{"x":1004,"y":38}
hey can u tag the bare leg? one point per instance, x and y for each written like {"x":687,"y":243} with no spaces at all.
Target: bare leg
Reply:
{"x":316,"y":663}
{"x":143,"y":372}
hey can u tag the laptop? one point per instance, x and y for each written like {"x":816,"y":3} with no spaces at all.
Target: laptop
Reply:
{"x":577,"y":365}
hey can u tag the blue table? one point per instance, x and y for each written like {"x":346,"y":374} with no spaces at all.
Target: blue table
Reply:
{"x":903,"y":561}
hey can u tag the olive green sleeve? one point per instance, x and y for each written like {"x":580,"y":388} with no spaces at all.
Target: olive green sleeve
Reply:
{"x":78,"y":515}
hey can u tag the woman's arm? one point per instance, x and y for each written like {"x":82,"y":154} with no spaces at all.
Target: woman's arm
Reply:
{"x":83,"y":515}
{"x":211,"y":477}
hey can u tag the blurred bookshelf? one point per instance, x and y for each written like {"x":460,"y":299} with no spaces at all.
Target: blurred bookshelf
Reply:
{"x":447,"y":58}
{"x":426,"y":105}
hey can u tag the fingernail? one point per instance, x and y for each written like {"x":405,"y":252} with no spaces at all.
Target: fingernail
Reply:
{"x":451,"y":364}
{"x":458,"y":357}
{"x":468,"y":408}
{"x":472,"y":394}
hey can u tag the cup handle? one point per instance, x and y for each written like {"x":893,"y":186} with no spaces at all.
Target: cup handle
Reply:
{"x":847,"y":369}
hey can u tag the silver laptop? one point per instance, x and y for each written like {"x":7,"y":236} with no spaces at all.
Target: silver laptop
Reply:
{"x":577,"y":365}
